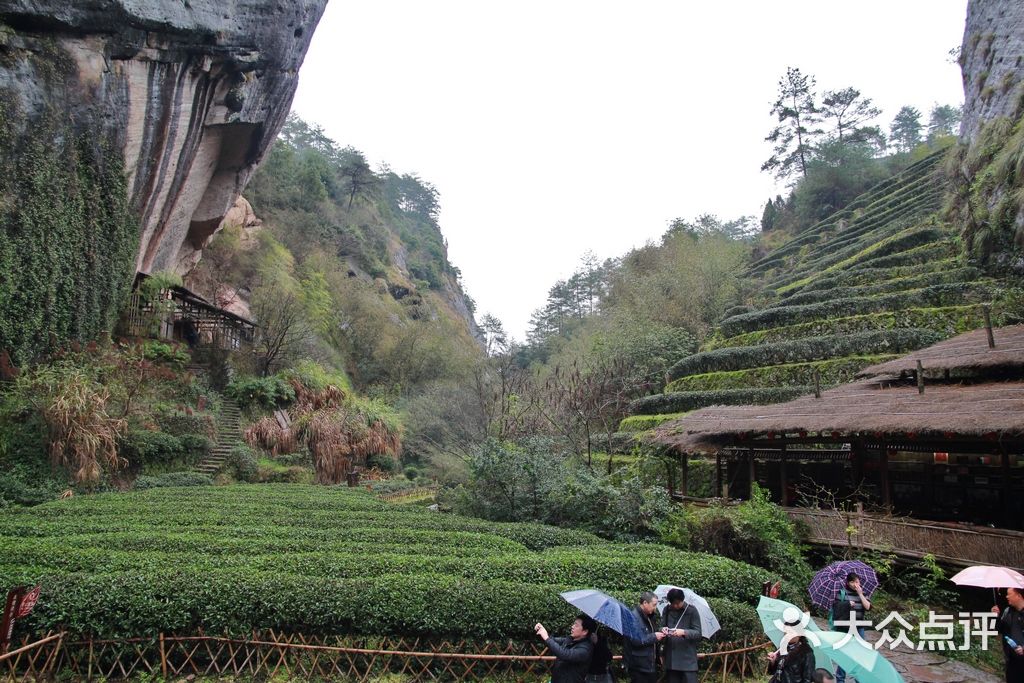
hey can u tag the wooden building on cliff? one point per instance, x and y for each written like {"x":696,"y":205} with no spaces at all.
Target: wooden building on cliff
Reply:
{"x":178,"y":314}
{"x":937,"y":434}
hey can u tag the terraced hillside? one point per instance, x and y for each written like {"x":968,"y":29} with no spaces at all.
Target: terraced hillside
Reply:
{"x":882,"y":277}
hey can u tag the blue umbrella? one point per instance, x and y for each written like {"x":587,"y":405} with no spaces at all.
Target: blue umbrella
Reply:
{"x":604,"y":609}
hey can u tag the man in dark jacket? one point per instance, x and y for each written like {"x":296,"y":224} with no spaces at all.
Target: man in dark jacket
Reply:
{"x":573,"y":653}
{"x":682,"y":633}
{"x":1011,"y":625}
{"x":639,"y":655}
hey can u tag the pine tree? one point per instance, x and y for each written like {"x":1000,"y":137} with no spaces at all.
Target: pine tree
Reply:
{"x":798,"y":117}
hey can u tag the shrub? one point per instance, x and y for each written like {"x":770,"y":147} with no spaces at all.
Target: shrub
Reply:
{"x":936,"y":295}
{"x":243,"y":463}
{"x":682,"y":401}
{"x":831,"y":372}
{"x":756,"y":531}
{"x":383,"y":462}
{"x":798,"y":350}
{"x":167,"y":353}
{"x":144,"y":448}
{"x":180,"y":423}
{"x":265,"y":392}
{"x":948,"y":321}
{"x":173,"y":479}
{"x":411,"y":473}
{"x":329,"y":560}
{"x":80,"y":434}
{"x":643,"y":423}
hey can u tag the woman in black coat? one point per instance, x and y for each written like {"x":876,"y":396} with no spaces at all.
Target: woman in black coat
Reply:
{"x":796,"y":665}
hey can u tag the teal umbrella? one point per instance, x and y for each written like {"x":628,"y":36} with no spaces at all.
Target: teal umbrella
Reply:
{"x":775,"y":613}
{"x":860,"y":661}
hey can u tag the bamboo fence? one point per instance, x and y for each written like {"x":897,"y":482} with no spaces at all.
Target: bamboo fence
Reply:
{"x":342,"y":658}
{"x":419,"y":492}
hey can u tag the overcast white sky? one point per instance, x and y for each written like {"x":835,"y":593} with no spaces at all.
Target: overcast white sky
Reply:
{"x":554,"y":127}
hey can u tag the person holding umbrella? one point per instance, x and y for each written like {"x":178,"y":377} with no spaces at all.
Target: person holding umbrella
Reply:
{"x":573,"y":653}
{"x":794,"y":662}
{"x":682,"y":632}
{"x":639,"y":650}
{"x":1011,"y":627}
{"x":850,"y":605}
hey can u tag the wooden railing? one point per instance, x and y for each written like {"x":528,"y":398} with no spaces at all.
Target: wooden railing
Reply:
{"x":958,"y":545}
{"x":272,"y":655}
{"x":409,"y":494}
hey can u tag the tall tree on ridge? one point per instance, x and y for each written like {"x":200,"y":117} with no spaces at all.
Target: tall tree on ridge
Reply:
{"x":849,"y":111}
{"x":905,"y":131}
{"x":798,"y":117}
{"x":943,"y":120}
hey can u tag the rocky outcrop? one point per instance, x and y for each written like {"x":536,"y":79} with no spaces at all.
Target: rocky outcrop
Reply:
{"x":987,"y":192}
{"x":193,"y":92}
{"x":992,"y":59}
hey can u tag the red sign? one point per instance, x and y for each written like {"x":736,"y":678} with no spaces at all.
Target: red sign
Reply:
{"x":28,"y":601}
{"x":20,"y":602}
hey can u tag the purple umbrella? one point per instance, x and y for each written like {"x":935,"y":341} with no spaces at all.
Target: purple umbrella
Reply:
{"x":826,"y":584}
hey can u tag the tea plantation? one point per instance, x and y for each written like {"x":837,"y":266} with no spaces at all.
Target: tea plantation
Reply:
{"x":327,"y":560}
{"x":878,"y":279}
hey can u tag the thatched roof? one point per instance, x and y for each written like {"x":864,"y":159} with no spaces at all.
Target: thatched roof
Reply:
{"x":884,"y":407}
{"x":967,"y":352}
{"x":876,"y":409}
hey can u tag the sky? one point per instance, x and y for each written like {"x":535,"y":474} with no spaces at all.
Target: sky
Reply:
{"x":552,"y":128}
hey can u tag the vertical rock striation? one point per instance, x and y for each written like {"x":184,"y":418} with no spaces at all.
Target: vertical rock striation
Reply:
{"x":193,"y":91}
{"x":992,"y":59}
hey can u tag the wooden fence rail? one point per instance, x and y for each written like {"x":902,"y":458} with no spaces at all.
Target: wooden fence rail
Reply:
{"x":344,"y":658}
{"x":952,"y":544}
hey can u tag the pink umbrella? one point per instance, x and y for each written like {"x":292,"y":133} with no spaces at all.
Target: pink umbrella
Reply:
{"x":989,"y":577}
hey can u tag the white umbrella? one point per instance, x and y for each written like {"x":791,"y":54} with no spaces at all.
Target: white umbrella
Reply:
{"x":708,"y":621}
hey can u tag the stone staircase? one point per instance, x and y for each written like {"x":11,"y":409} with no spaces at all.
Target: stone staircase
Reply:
{"x":228,"y":436}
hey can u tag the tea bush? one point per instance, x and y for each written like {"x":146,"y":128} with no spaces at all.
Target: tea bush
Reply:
{"x":329,"y":560}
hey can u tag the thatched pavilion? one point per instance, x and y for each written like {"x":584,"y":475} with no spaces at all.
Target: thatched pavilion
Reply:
{"x":937,"y":434}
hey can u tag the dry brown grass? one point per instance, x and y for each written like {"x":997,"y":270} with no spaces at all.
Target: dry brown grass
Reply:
{"x":338,"y":435}
{"x":80,"y":435}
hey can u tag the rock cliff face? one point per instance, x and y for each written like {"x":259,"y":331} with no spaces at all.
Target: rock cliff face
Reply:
{"x":193,"y":91}
{"x":992,"y":58}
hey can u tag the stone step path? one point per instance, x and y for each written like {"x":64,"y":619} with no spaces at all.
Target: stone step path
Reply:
{"x":931,"y":666}
{"x":927,"y":666}
{"x":228,"y":436}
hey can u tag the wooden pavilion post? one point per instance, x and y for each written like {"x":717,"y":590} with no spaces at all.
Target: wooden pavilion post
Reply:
{"x":751,"y":473}
{"x":718,"y":474}
{"x":783,"y":477}
{"x":1004,"y":466}
{"x":886,"y":485}
{"x":684,"y":470}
